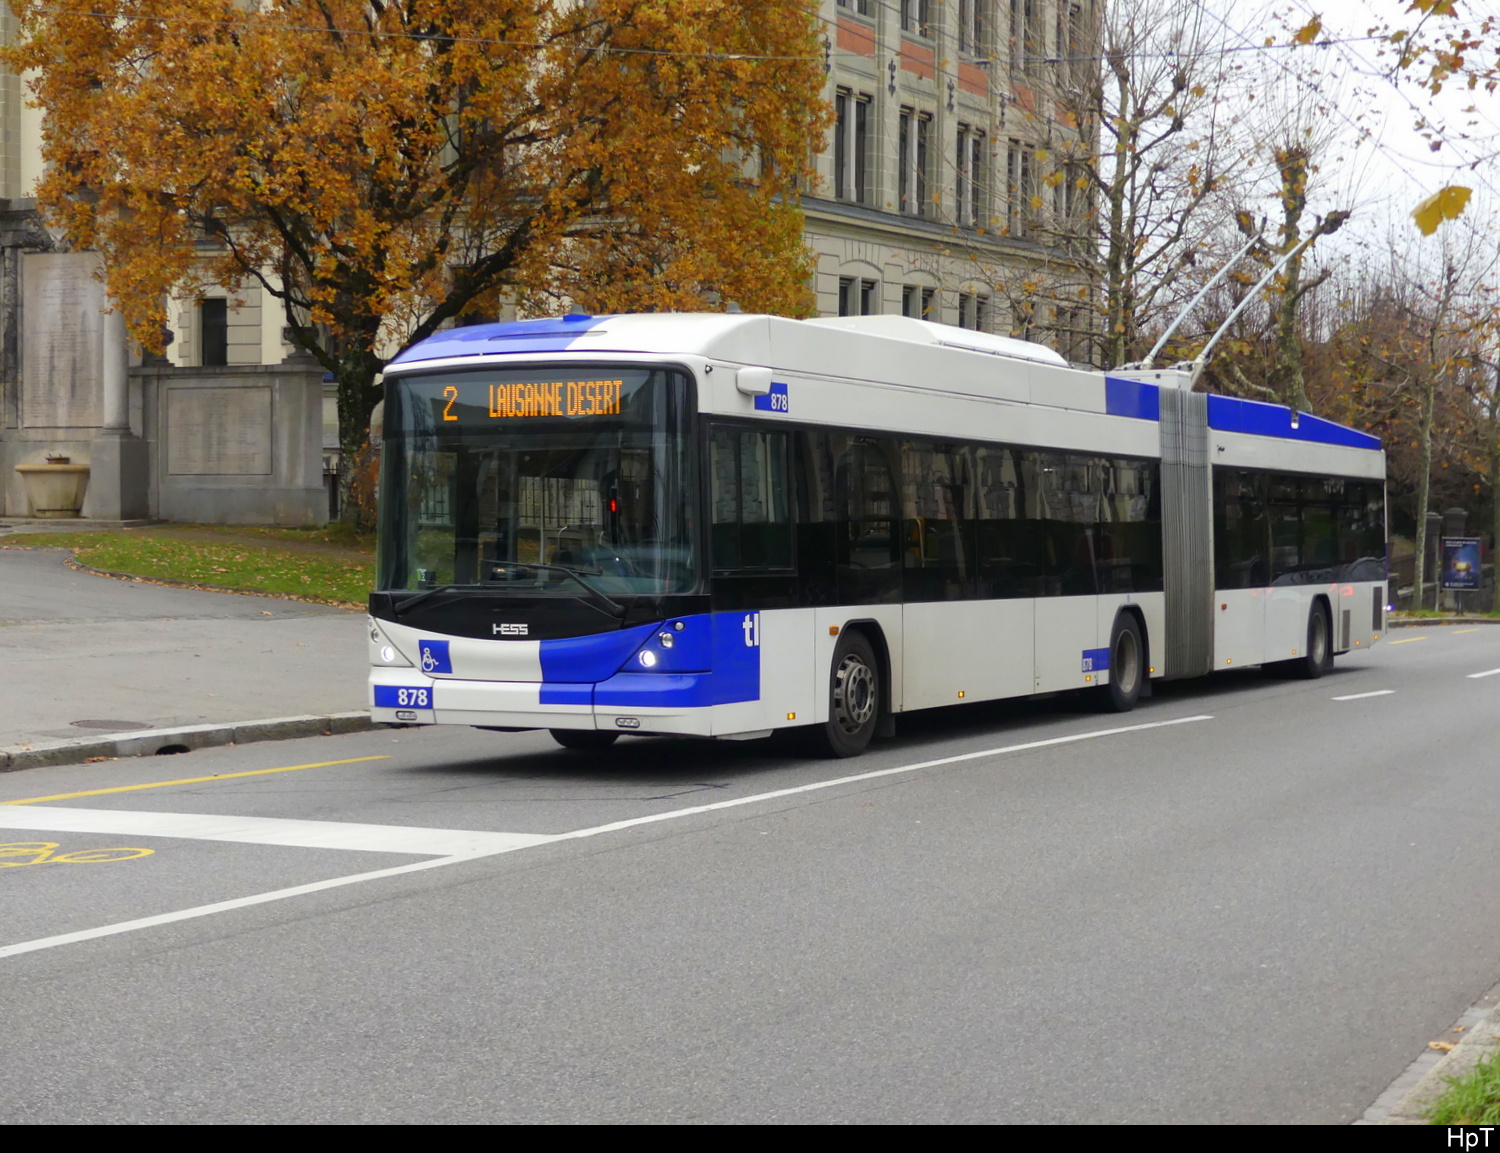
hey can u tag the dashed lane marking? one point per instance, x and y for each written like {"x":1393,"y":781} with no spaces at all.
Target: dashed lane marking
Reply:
{"x":1486,"y":673}
{"x":1362,"y":696}
{"x":1409,"y":640}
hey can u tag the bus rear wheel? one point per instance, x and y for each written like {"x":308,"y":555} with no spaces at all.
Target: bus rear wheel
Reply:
{"x":1317,"y":658}
{"x":853,"y":700}
{"x":1127,"y":666}
{"x":584,"y":740}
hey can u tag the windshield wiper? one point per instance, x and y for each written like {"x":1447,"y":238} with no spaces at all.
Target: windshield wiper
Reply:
{"x":403,"y":606}
{"x":610,"y":605}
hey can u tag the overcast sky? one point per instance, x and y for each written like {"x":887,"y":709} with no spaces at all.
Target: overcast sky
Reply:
{"x":1381,"y":164}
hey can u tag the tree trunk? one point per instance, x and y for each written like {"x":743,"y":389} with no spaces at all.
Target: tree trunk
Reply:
{"x":1286,"y":376}
{"x":1424,"y":488}
{"x":1494,"y":447}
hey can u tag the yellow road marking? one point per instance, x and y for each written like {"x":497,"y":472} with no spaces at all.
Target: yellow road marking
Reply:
{"x":40,"y":853}
{"x":190,"y":781}
{"x":1460,"y":632}
{"x":1408,"y":640}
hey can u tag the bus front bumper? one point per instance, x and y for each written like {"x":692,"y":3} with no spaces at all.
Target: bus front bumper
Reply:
{"x":627,"y":703}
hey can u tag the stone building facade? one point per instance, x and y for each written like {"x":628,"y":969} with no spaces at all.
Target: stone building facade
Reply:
{"x":945,"y":190}
{"x":942,"y":192}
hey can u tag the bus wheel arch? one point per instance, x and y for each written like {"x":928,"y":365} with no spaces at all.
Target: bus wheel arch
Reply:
{"x":861,"y":656}
{"x":1317,"y":653}
{"x":1128,"y":663}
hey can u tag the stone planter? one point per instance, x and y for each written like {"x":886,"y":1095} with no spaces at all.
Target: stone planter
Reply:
{"x":55,"y":489}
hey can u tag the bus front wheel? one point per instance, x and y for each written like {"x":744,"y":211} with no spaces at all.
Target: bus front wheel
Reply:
{"x":1127,"y":666}
{"x":853,"y":699}
{"x":585,"y":740}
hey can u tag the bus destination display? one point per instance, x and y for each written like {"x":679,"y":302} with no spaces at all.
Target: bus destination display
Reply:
{"x":546,"y":398}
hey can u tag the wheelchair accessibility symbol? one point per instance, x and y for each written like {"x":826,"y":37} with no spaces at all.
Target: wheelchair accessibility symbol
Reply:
{"x":435,"y":657}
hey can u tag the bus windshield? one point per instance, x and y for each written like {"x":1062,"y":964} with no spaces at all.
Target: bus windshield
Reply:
{"x":501,"y":478}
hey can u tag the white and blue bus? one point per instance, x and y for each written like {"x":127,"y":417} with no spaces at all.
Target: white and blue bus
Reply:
{"x":720,"y":525}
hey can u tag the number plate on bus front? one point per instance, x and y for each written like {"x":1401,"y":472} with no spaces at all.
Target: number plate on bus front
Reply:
{"x":401,"y":697}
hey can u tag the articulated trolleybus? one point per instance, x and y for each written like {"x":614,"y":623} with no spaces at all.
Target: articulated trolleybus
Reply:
{"x":723,"y":524}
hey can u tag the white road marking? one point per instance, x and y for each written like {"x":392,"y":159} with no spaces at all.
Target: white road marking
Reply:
{"x":265,"y":831}
{"x":1488,"y":673}
{"x":439,"y":862}
{"x":1362,"y":696}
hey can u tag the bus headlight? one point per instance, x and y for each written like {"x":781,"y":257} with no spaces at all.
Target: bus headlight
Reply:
{"x":648,"y":659}
{"x":666,"y":640}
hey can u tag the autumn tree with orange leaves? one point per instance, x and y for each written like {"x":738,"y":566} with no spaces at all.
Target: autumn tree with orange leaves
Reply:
{"x":384,"y":167}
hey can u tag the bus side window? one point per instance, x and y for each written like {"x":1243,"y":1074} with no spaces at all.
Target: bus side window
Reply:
{"x":750,"y":494}
{"x":817,"y":517}
{"x":869,"y":570}
{"x":939,"y":525}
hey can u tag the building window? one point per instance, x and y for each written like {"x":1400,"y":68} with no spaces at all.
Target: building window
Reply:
{"x":860,"y":6}
{"x":972,"y":25}
{"x":970,"y":160}
{"x":914,"y":160}
{"x":974,"y":311}
{"x":1020,"y":190}
{"x":1025,"y":36}
{"x":851,"y":146}
{"x":213,"y":331}
{"x":917,"y":302}
{"x":858,"y":297}
{"x":916,"y":16}
{"x":1071,"y":335}
{"x":1071,"y":49}
{"x":1022,"y":321}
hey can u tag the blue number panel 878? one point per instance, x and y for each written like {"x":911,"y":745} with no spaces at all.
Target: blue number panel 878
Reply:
{"x":401,"y":697}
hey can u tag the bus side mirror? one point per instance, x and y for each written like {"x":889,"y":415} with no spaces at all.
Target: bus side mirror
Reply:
{"x":753,"y":381}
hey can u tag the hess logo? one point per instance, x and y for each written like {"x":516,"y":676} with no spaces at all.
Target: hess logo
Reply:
{"x":508,"y":630}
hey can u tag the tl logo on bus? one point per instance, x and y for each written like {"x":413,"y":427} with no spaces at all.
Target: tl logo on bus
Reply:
{"x":751,"y":625}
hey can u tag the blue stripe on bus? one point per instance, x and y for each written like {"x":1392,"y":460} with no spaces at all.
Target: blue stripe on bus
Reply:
{"x":1142,"y":401}
{"x":553,"y":334}
{"x":1095,"y":660}
{"x":579,"y":696}
{"x":592,"y":658}
{"x":1132,"y":398}
{"x":1257,"y":418}
{"x":601,"y":667}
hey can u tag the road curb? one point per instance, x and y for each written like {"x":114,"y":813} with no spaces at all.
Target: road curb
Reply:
{"x":1479,"y":1040}
{"x":181,"y":739}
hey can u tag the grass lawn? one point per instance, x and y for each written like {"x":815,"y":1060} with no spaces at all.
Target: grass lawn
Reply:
{"x":1473,"y":1099}
{"x":325,"y":565}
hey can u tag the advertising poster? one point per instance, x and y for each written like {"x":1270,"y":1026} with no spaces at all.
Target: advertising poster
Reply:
{"x":1461,"y":569}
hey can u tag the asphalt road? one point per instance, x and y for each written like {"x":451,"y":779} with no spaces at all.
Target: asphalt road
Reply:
{"x":1247,"y":901}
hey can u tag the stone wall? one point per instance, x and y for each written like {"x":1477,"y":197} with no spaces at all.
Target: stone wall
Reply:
{"x":235,"y":445}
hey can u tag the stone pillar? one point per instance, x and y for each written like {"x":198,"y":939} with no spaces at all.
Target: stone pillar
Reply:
{"x":120,"y":468}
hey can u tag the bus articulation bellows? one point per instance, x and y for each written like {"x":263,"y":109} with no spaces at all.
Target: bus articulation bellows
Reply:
{"x":722,"y":525}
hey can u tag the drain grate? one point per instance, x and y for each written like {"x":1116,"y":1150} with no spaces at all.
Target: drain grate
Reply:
{"x":115,"y":726}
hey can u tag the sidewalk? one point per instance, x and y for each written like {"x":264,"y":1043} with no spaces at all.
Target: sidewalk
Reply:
{"x":94,"y":667}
